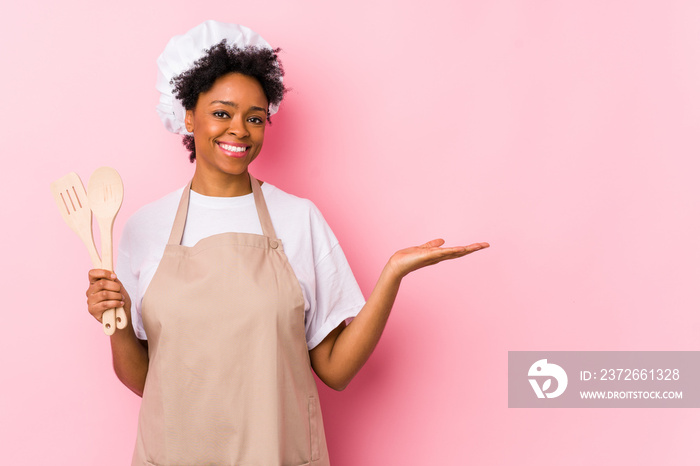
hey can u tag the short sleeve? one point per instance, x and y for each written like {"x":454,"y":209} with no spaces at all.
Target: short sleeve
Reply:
{"x":337,"y":296}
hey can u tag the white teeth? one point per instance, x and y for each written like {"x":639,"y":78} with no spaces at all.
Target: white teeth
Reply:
{"x":233,"y":148}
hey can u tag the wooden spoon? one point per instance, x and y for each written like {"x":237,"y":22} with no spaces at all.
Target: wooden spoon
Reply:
{"x":105,"y":195}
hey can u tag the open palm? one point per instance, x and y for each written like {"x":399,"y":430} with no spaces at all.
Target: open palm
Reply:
{"x":407,"y":260}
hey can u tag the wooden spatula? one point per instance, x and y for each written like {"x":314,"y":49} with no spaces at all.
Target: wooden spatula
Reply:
{"x":105,"y":196}
{"x":72,"y":201}
{"x":71,"y":198}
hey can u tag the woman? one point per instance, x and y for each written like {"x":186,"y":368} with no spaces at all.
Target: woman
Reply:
{"x":240,"y":288}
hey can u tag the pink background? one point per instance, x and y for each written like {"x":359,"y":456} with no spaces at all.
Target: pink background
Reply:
{"x":564,"y":133}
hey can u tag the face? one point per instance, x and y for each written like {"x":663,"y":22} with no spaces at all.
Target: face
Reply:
{"x":228,"y":123}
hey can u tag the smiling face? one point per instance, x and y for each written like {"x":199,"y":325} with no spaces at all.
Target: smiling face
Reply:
{"x":228,"y":123}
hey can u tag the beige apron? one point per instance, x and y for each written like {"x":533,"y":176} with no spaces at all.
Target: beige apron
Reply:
{"x":229,"y":378}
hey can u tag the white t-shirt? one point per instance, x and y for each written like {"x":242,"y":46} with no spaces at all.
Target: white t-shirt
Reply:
{"x":331,"y":293}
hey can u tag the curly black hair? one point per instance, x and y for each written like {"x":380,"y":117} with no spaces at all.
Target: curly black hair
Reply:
{"x":256,"y":62}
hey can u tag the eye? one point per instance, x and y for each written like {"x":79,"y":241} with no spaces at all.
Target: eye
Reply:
{"x":256,"y":120}
{"x":220,"y":114}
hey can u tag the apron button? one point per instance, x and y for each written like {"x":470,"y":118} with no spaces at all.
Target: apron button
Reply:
{"x":274,"y":244}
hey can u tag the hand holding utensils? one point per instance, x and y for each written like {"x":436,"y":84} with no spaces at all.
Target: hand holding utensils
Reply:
{"x":103,"y":198}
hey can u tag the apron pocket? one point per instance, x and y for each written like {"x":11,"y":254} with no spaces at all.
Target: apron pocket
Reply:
{"x":314,"y":425}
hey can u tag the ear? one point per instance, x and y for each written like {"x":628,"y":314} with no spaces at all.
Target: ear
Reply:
{"x":189,"y":120}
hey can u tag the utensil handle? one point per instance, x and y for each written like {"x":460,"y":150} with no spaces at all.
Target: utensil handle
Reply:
{"x":111,"y":318}
{"x":106,"y":226}
{"x":121,"y":318}
{"x":108,"y":322}
{"x":89,"y":242}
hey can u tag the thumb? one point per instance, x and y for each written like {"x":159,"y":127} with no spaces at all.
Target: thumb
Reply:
{"x":433,"y":243}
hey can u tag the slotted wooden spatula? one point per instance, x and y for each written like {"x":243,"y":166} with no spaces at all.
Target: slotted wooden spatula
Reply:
{"x":71,"y":198}
{"x":72,"y":201}
{"x":105,"y":196}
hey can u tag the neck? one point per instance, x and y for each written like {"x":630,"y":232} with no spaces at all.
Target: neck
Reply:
{"x":223,"y":185}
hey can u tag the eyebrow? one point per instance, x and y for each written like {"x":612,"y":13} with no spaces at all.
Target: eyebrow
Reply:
{"x":235,"y":105}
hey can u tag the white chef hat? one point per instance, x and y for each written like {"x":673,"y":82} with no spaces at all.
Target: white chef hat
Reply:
{"x":181,"y":53}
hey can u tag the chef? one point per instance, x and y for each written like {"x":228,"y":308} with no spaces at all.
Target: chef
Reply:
{"x":239,"y":288}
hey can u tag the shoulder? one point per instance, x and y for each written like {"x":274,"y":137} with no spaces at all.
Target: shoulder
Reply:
{"x":277,"y":198}
{"x":153,"y":220}
{"x":290,"y":207}
{"x":300,"y":221}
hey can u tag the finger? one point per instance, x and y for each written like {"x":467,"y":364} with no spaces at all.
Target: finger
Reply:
{"x":467,"y":249}
{"x":109,"y":297}
{"x":98,"y":309}
{"x":476,"y":247}
{"x":104,"y":295}
{"x":105,"y":305}
{"x":433,"y":243}
{"x":103,"y":285}
{"x":451,"y":253}
{"x":435,"y":255}
{"x":98,"y":274}
{"x":441,"y":254}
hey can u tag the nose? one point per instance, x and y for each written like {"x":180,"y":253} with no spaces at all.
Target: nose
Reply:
{"x":237,"y":127}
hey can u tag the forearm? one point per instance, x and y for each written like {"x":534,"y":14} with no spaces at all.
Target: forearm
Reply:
{"x":344,"y":351}
{"x":356,"y":342}
{"x":130,"y":359}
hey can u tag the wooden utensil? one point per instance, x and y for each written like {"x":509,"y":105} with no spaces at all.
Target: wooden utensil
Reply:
{"x":72,"y":201}
{"x":105,"y":195}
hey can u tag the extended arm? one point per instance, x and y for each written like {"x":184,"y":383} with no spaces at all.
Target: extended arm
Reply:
{"x":345,"y":350}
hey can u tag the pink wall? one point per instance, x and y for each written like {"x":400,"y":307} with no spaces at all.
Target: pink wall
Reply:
{"x":564,"y":133}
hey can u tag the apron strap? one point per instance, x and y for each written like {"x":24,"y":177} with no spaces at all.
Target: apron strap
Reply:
{"x":180,"y":217}
{"x":260,"y":206}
